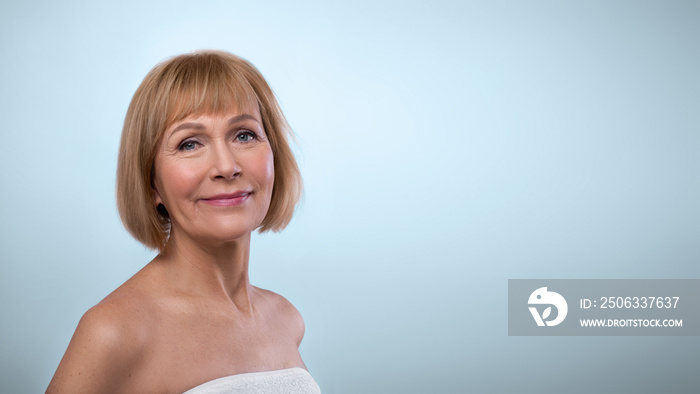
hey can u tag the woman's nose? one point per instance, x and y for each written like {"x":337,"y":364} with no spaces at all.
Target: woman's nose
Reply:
{"x":224,"y":162}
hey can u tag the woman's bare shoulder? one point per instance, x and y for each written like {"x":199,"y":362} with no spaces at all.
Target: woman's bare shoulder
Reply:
{"x":107,"y":344}
{"x":284,"y":310}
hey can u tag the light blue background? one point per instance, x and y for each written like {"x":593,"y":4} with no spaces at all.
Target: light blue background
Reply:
{"x":445,"y":148}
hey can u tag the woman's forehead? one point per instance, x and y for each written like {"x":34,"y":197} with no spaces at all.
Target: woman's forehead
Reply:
{"x":238,"y":112}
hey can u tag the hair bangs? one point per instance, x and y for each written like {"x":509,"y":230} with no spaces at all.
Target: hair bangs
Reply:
{"x":206,"y":85}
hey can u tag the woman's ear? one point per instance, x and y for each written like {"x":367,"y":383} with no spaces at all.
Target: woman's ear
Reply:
{"x":160,"y":208}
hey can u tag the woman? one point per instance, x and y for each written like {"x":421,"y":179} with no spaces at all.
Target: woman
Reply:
{"x":204,"y":160}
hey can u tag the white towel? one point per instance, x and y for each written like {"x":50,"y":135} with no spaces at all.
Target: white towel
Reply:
{"x":287,"y":381}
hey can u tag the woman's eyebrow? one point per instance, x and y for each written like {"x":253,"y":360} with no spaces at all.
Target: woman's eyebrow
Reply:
{"x":190,"y":125}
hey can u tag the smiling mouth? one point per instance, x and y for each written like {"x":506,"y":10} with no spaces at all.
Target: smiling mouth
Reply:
{"x":227,"y":200}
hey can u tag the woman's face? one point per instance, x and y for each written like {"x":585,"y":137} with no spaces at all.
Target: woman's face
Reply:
{"x":214,"y":174}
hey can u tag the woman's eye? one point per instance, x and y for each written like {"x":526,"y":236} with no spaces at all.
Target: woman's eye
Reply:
{"x":188,"y":145}
{"x":245,"y":136}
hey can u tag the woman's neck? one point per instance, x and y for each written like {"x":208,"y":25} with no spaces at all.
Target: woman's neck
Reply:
{"x":212,"y":270}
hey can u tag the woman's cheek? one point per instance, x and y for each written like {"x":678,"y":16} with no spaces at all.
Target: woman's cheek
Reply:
{"x":269,"y":165}
{"x":183,"y":179}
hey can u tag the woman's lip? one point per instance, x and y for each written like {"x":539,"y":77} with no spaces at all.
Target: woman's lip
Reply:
{"x":225,"y":200}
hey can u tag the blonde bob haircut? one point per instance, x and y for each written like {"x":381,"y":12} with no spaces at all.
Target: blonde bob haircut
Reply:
{"x":206,"y":82}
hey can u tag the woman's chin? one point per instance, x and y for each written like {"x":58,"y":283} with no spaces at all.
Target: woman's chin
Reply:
{"x":216,"y":232}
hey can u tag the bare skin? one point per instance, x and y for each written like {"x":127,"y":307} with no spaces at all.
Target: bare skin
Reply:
{"x":190,"y":315}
